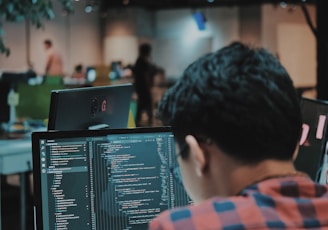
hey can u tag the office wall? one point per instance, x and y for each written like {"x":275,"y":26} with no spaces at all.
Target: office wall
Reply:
{"x":76,"y":36}
{"x":273,"y":15}
{"x":286,"y":34}
{"x":250,"y":19}
{"x":296,"y":49}
{"x":173,"y":33}
{"x":92,"y":40}
{"x":179,"y":42}
{"x":16,"y":40}
{"x":124,"y":30}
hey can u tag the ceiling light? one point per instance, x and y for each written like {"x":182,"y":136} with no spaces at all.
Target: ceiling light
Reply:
{"x":88,"y":8}
{"x":283,"y":4}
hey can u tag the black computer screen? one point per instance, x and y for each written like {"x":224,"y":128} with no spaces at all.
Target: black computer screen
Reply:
{"x":90,"y":107}
{"x":313,"y":139}
{"x":104,"y":179}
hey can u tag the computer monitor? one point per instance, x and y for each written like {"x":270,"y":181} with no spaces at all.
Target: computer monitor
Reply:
{"x":104,"y":179}
{"x":90,"y":107}
{"x":314,"y":137}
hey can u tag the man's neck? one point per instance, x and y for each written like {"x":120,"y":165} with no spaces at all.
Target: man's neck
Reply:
{"x":246,"y":175}
{"x":228,"y":177}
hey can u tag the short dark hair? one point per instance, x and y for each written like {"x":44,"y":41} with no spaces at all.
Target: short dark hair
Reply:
{"x":78,"y":68}
{"x":241,"y":98}
{"x":145,"y":49}
{"x":48,"y":42}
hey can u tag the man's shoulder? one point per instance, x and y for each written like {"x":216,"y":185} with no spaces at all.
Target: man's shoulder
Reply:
{"x":257,"y":205}
{"x":205,"y":215}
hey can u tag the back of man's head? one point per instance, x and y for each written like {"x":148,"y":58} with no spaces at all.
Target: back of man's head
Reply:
{"x":145,"y":50}
{"x":241,"y":98}
{"x":47,"y":42}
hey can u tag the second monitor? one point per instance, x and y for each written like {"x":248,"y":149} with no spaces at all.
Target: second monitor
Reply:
{"x":90,"y":108}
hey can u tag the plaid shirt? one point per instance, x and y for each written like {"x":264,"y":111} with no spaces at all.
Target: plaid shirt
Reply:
{"x":278,"y":203}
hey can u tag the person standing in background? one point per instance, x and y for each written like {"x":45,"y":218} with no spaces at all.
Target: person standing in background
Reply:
{"x":143,"y":72}
{"x":54,"y":64}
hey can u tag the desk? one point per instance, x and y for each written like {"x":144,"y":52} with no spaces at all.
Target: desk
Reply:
{"x":16,"y":158}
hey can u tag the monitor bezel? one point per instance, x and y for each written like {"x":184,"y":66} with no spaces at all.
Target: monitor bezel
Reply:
{"x":55,"y":134}
{"x":58,"y":115}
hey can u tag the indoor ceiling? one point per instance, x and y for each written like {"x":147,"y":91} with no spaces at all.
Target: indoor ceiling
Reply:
{"x":162,"y":4}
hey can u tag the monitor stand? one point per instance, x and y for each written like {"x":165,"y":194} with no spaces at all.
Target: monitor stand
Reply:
{"x":99,"y":126}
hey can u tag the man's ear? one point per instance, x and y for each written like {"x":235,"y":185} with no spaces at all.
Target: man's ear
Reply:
{"x":197,"y":155}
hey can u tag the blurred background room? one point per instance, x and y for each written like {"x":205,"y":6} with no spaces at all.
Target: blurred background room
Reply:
{"x":98,"y":44}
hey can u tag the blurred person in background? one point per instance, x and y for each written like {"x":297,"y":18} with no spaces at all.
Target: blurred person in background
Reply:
{"x":54,"y":62}
{"x":143,"y":72}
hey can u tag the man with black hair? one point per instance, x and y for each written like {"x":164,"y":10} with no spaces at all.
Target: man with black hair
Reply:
{"x":143,"y":72}
{"x":237,"y":122}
